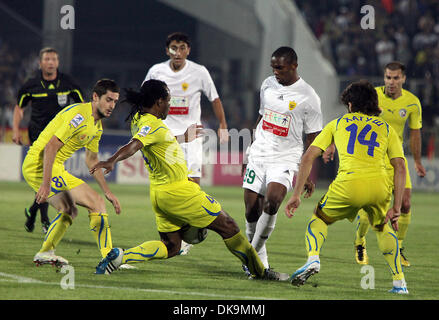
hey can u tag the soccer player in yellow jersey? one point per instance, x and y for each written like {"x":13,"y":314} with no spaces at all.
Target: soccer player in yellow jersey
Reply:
{"x":74,"y":127}
{"x":398,"y":107}
{"x":176,"y":201}
{"x":363,"y":141}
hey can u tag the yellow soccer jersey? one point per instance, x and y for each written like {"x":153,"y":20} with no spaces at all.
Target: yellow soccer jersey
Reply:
{"x":397,"y":112}
{"x":163,"y":156}
{"x":362,"y":143}
{"x":75,"y":127}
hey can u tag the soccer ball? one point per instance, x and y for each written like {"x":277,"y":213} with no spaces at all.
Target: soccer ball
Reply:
{"x":193,"y":235}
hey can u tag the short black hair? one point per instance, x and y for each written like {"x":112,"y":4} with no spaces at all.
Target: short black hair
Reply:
{"x":363,"y":97}
{"x":287,"y":52}
{"x":179,"y":37}
{"x":47,"y":50}
{"x":103,"y":85}
{"x":395,"y":65}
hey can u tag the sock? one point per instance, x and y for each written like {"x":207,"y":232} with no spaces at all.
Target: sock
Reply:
{"x":315,"y":235}
{"x":44,"y":207}
{"x":264,"y":228}
{"x":362,"y":228}
{"x":56,"y":231}
{"x":146,"y":251}
{"x":101,"y":232}
{"x":250,"y":228}
{"x":241,"y":248}
{"x":403,"y":225}
{"x":388,"y":245}
{"x":33,"y":208}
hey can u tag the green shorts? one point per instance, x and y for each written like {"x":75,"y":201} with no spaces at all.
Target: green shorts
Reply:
{"x":181,"y":203}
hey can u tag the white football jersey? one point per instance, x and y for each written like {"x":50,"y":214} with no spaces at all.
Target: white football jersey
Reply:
{"x":287,"y":112}
{"x":186,"y":86}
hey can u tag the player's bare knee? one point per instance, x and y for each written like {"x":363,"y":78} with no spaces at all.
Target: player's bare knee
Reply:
{"x":405,"y":206}
{"x":271,"y":205}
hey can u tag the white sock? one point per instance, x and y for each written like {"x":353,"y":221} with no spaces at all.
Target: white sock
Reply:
{"x":250,"y":228}
{"x":264,"y":228}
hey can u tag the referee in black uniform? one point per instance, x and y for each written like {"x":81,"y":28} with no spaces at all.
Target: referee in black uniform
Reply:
{"x":49,"y":92}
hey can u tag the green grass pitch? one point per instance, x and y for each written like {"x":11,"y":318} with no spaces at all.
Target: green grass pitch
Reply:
{"x":210,"y":271}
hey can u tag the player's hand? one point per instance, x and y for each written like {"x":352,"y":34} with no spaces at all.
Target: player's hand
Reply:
{"x":42,"y":194}
{"x":193,"y":131}
{"x":292,"y":205}
{"x":16,"y":138}
{"x":223,"y":135}
{"x":393,"y":215}
{"x":328,"y":155}
{"x":420,"y":170}
{"x":308,"y":188}
{"x":114,"y":201}
{"x":107,"y":165}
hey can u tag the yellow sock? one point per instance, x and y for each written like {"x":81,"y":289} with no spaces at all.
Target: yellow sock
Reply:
{"x":241,"y":248}
{"x":403,"y":225}
{"x":101,"y":232}
{"x":56,"y":231}
{"x":146,"y":251}
{"x":362,"y":228}
{"x":315,"y":235}
{"x":388,"y":244}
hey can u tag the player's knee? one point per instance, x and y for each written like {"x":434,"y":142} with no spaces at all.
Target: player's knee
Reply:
{"x":173,"y":247}
{"x":252,"y":214}
{"x":272,"y":203}
{"x":406,"y":205}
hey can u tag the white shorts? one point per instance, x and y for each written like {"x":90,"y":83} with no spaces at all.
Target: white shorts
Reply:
{"x":259,"y":175}
{"x":193,"y":153}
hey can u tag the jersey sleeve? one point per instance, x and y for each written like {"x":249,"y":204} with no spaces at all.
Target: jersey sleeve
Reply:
{"x":149,"y":134}
{"x":264,"y":86}
{"x":394,"y":149}
{"x":24,"y":96}
{"x":415,"y":117}
{"x":69,"y":124}
{"x":326,"y":137}
{"x":76,"y":92}
{"x":313,"y":115}
{"x":207,"y":84}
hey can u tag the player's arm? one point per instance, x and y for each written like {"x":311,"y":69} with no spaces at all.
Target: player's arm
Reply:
{"x":218,"y":109}
{"x":123,"y":153}
{"x":309,"y":185}
{"x":91,"y":159}
{"x":18,"y":116}
{"x":415,"y":148}
{"x":50,"y":152}
{"x":305,"y":167}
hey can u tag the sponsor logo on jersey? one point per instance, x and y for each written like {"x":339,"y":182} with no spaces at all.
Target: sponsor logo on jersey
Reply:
{"x":144,"y":131}
{"x":77,"y":120}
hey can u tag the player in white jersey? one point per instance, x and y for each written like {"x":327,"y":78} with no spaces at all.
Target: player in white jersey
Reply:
{"x":289,"y":107}
{"x":187,"y":80}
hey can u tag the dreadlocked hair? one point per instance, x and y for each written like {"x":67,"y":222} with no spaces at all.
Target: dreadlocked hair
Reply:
{"x":151,"y":91}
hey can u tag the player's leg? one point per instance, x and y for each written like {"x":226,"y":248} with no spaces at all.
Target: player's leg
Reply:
{"x":31,"y":214}
{"x":388,"y":245}
{"x":194,"y":159}
{"x":404,"y":222}
{"x":360,"y":238}
{"x":241,"y":248}
{"x":64,"y":204}
{"x":253,"y":209}
{"x":87,"y":197}
{"x":267,"y":221}
{"x":44,"y":216}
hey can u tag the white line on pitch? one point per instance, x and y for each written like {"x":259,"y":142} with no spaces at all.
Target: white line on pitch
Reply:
{"x":21,"y":279}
